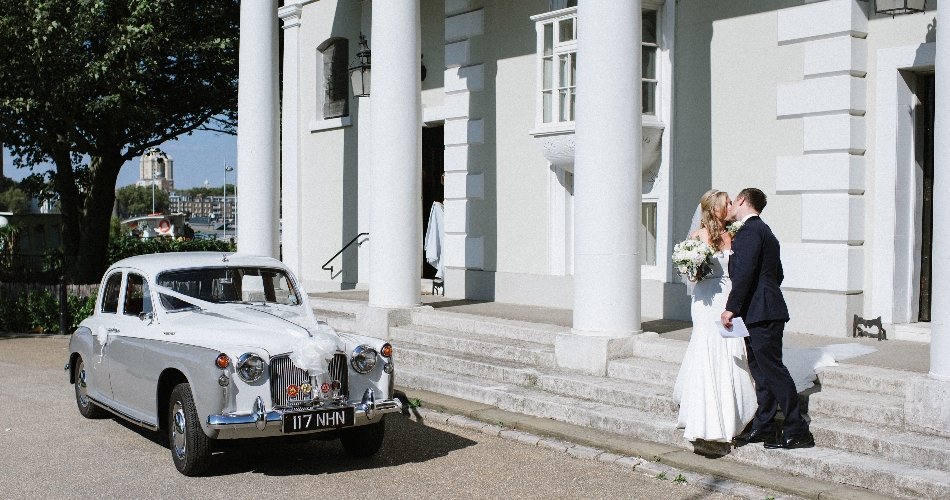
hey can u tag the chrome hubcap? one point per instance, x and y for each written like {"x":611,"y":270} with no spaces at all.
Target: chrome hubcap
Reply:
{"x":178,"y":430}
{"x":81,"y":387}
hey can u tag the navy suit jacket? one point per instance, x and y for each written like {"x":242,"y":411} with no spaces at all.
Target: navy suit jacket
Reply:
{"x":756,"y":271}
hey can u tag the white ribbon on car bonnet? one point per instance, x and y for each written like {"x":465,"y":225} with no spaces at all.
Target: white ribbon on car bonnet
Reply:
{"x":313,"y":350}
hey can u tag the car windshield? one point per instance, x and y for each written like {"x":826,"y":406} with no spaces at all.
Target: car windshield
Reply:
{"x":228,"y":284}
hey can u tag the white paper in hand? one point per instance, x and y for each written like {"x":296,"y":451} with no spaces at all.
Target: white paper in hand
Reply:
{"x":738,"y":330}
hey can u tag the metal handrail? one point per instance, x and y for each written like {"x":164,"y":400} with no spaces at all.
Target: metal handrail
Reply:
{"x":327,"y":263}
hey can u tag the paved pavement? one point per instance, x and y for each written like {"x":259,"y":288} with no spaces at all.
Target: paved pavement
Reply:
{"x":49,"y":450}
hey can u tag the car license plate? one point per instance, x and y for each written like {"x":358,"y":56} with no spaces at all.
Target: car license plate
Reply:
{"x":318,"y":419}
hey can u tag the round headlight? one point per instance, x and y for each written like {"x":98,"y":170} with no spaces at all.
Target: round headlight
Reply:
{"x":364,"y":359}
{"x":250,"y":367}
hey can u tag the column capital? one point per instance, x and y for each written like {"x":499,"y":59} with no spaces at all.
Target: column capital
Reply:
{"x":290,"y":15}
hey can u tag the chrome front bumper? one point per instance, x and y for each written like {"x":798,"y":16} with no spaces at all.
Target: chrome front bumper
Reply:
{"x":366,"y":411}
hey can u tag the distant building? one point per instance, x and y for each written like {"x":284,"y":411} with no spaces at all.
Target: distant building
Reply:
{"x":155,"y":167}
{"x":215,"y":208}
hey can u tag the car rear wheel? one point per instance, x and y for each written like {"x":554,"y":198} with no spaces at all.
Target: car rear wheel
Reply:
{"x":365,"y":440}
{"x":87,"y":408}
{"x":191,"y":448}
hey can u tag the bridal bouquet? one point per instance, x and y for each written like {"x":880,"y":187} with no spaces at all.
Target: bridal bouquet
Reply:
{"x":691,"y":258}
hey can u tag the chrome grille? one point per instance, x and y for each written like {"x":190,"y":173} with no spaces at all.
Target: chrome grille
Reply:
{"x":283,"y":373}
{"x":338,"y":371}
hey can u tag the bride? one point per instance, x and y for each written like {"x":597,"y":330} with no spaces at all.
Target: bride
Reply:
{"x":714,"y":387}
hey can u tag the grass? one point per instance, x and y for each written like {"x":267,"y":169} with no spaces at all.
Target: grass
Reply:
{"x":680,"y":479}
{"x":661,"y":476}
{"x":415,"y":403}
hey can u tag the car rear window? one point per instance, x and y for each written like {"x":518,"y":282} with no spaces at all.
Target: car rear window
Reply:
{"x":110,"y":296}
{"x":229,"y":284}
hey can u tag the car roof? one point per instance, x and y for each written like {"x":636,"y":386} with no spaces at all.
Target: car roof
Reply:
{"x":155,"y":263}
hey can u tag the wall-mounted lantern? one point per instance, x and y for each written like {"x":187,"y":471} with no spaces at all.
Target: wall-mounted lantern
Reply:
{"x":359,"y":70}
{"x":895,"y":7}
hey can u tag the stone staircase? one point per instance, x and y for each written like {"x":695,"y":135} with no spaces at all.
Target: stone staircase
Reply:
{"x":857,"y":415}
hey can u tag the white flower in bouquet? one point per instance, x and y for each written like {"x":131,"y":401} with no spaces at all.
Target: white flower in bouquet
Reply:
{"x":691,"y":258}
{"x":733,"y":228}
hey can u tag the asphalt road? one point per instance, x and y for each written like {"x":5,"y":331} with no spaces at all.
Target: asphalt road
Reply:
{"x":48,"y":450}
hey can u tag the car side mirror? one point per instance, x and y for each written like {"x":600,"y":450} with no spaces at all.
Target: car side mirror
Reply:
{"x":146,"y":316}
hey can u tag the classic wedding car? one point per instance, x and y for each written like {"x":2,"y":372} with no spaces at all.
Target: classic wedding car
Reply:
{"x":205,"y":346}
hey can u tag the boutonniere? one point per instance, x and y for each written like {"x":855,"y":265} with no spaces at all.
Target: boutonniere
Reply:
{"x":734,"y":228}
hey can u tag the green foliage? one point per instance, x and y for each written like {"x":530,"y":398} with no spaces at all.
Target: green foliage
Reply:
{"x":14,"y":200}
{"x":38,"y":311}
{"x":115,"y":228}
{"x":661,"y":476}
{"x":137,"y":200}
{"x":205,"y":192}
{"x":680,"y":479}
{"x":415,"y":403}
{"x":8,"y":235}
{"x":126,"y":246}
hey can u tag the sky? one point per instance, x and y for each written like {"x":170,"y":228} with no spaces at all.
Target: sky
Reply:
{"x":197,"y":157}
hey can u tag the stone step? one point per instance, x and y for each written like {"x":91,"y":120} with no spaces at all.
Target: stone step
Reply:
{"x":858,"y":406}
{"x":337,"y":305}
{"x":486,"y":325}
{"x":340,"y":322}
{"x":621,"y":420}
{"x":529,"y":354}
{"x":889,"y":477}
{"x":644,"y":370}
{"x":892,"y":476}
{"x":639,"y":395}
{"x":870,"y":379}
{"x":651,"y":346}
{"x":423,"y":357}
{"x":843,"y":434}
{"x":651,"y":399}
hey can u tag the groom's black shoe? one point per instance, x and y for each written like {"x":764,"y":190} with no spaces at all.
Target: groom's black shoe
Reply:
{"x":805,"y":440}
{"x":754,"y":436}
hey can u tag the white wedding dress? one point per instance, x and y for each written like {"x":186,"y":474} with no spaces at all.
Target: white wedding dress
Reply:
{"x":714,"y":387}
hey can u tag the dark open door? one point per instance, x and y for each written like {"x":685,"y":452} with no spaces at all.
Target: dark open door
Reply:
{"x":433,"y":183}
{"x":925,"y":158}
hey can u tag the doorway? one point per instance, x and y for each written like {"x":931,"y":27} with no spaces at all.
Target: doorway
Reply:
{"x":924,"y":146}
{"x":433,"y":181}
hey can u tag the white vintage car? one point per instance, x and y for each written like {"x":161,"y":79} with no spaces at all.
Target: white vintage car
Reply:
{"x":206,"y":346}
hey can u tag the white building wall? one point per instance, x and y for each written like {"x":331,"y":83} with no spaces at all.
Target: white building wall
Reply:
{"x":328,"y":153}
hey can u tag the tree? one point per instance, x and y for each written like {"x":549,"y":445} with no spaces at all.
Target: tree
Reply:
{"x":91,"y":84}
{"x":14,"y":200}
{"x":137,"y":200}
{"x":206,"y":192}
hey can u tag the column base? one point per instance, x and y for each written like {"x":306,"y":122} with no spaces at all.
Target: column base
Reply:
{"x":589,"y":354}
{"x":927,"y":408}
{"x":376,"y":321}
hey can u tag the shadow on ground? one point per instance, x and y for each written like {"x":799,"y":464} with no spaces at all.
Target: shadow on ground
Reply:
{"x":408,"y":440}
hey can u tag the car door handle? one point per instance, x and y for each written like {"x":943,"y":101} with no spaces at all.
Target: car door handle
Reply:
{"x":112,"y":330}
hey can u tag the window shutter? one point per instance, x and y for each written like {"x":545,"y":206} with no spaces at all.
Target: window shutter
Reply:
{"x":335,"y":80}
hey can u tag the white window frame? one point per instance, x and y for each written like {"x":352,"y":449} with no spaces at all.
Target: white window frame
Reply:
{"x":559,"y":49}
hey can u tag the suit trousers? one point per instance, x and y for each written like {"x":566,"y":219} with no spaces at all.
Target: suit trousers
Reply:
{"x":774,"y":386}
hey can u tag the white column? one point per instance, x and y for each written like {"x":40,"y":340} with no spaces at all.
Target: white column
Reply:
{"x":290,"y":139}
{"x":607,"y":173}
{"x":607,"y":187}
{"x":396,"y":200}
{"x":364,"y":166}
{"x":258,"y":130}
{"x":940,"y":315}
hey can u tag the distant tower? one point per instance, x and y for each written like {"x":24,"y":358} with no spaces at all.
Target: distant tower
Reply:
{"x":158,"y":168}
{"x":207,"y":183}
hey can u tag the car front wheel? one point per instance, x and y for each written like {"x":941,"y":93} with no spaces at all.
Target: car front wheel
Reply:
{"x":87,"y":408}
{"x":365,"y":440}
{"x":191,"y":448}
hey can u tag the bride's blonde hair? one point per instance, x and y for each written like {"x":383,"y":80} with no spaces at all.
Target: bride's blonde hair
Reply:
{"x":713,"y":205}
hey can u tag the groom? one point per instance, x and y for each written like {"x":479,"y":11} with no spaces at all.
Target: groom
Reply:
{"x":756,"y":271}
